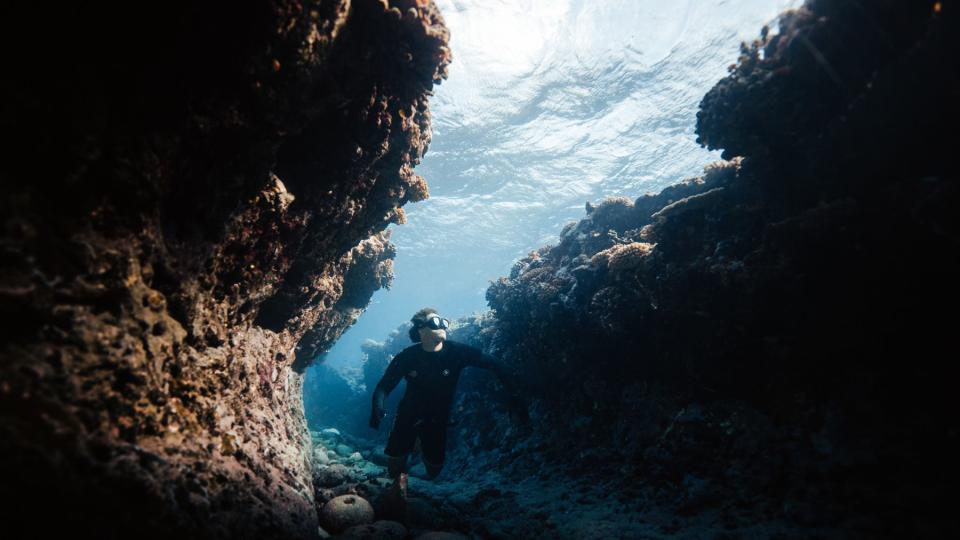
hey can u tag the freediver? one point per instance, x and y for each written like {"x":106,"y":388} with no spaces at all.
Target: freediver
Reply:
{"x":431,"y":367}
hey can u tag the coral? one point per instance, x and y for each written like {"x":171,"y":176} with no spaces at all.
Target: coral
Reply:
{"x":345,"y":511}
{"x":623,"y":256}
{"x":611,"y":213}
{"x":195,"y":212}
{"x":417,"y":189}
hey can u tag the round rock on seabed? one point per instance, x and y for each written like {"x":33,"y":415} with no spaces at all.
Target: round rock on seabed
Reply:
{"x":345,"y":511}
{"x":331,"y":475}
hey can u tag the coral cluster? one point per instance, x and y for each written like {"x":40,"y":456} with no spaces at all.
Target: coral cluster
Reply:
{"x":193,"y":209}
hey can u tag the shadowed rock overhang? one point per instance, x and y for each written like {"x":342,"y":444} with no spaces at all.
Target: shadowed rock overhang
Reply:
{"x":194,"y":207}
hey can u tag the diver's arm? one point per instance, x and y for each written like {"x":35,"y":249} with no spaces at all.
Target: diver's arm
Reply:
{"x":389,"y":381}
{"x":376,"y":411}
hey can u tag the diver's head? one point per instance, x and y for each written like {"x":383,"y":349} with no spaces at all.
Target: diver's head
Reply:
{"x":429,"y":329}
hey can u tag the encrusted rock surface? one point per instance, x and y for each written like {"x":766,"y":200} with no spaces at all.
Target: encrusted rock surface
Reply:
{"x":760,"y":350}
{"x":193,"y":209}
{"x":345,"y":511}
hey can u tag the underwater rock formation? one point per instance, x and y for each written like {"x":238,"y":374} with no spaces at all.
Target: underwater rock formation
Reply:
{"x":194,"y":205}
{"x":345,"y":484}
{"x":765,"y":345}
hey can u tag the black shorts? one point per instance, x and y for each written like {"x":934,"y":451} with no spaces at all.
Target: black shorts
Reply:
{"x":403,"y":436}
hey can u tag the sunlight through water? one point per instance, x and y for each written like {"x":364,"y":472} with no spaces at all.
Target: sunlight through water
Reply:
{"x":549,"y":104}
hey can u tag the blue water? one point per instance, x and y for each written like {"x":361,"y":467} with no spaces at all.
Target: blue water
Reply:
{"x":549,"y":104}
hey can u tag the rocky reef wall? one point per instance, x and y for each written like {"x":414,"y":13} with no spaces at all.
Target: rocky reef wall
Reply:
{"x":194,"y":206}
{"x":765,"y":345}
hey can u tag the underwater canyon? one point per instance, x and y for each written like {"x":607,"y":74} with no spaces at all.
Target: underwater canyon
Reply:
{"x":761,"y":351}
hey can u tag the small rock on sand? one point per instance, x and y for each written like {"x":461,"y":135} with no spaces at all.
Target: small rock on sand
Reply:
{"x":331,"y":475}
{"x":379,"y":457}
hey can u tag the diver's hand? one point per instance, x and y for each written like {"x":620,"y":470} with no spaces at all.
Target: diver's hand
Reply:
{"x":518,"y":411}
{"x":375,"y":417}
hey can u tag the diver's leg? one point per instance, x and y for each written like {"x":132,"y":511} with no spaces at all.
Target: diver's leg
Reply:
{"x":399,"y":445}
{"x":396,"y":465}
{"x":397,"y":469}
{"x":433,"y":442}
{"x":433,"y":469}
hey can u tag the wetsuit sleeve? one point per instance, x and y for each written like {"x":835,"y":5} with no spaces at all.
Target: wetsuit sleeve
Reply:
{"x":476,"y":358}
{"x":389,"y":381}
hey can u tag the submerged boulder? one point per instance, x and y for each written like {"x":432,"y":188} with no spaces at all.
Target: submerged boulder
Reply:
{"x":345,"y":511}
{"x":368,"y":469}
{"x":331,"y":475}
{"x":320,"y":455}
{"x":378,"y":530}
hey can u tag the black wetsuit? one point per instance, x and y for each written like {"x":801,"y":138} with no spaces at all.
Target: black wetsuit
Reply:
{"x":424,"y":410}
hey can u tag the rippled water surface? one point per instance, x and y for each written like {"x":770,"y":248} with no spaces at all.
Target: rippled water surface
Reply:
{"x":549,"y":104}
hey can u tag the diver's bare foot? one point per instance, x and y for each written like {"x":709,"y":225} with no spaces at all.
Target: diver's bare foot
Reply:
{"x":399,"y":488}
{"x":402,"y":482}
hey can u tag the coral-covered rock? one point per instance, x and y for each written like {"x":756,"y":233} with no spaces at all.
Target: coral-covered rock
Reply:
{"x":345,"y":511}
{"x":194,"y":207}
{"x":623,"y":257}
{"x":757,"y":337}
